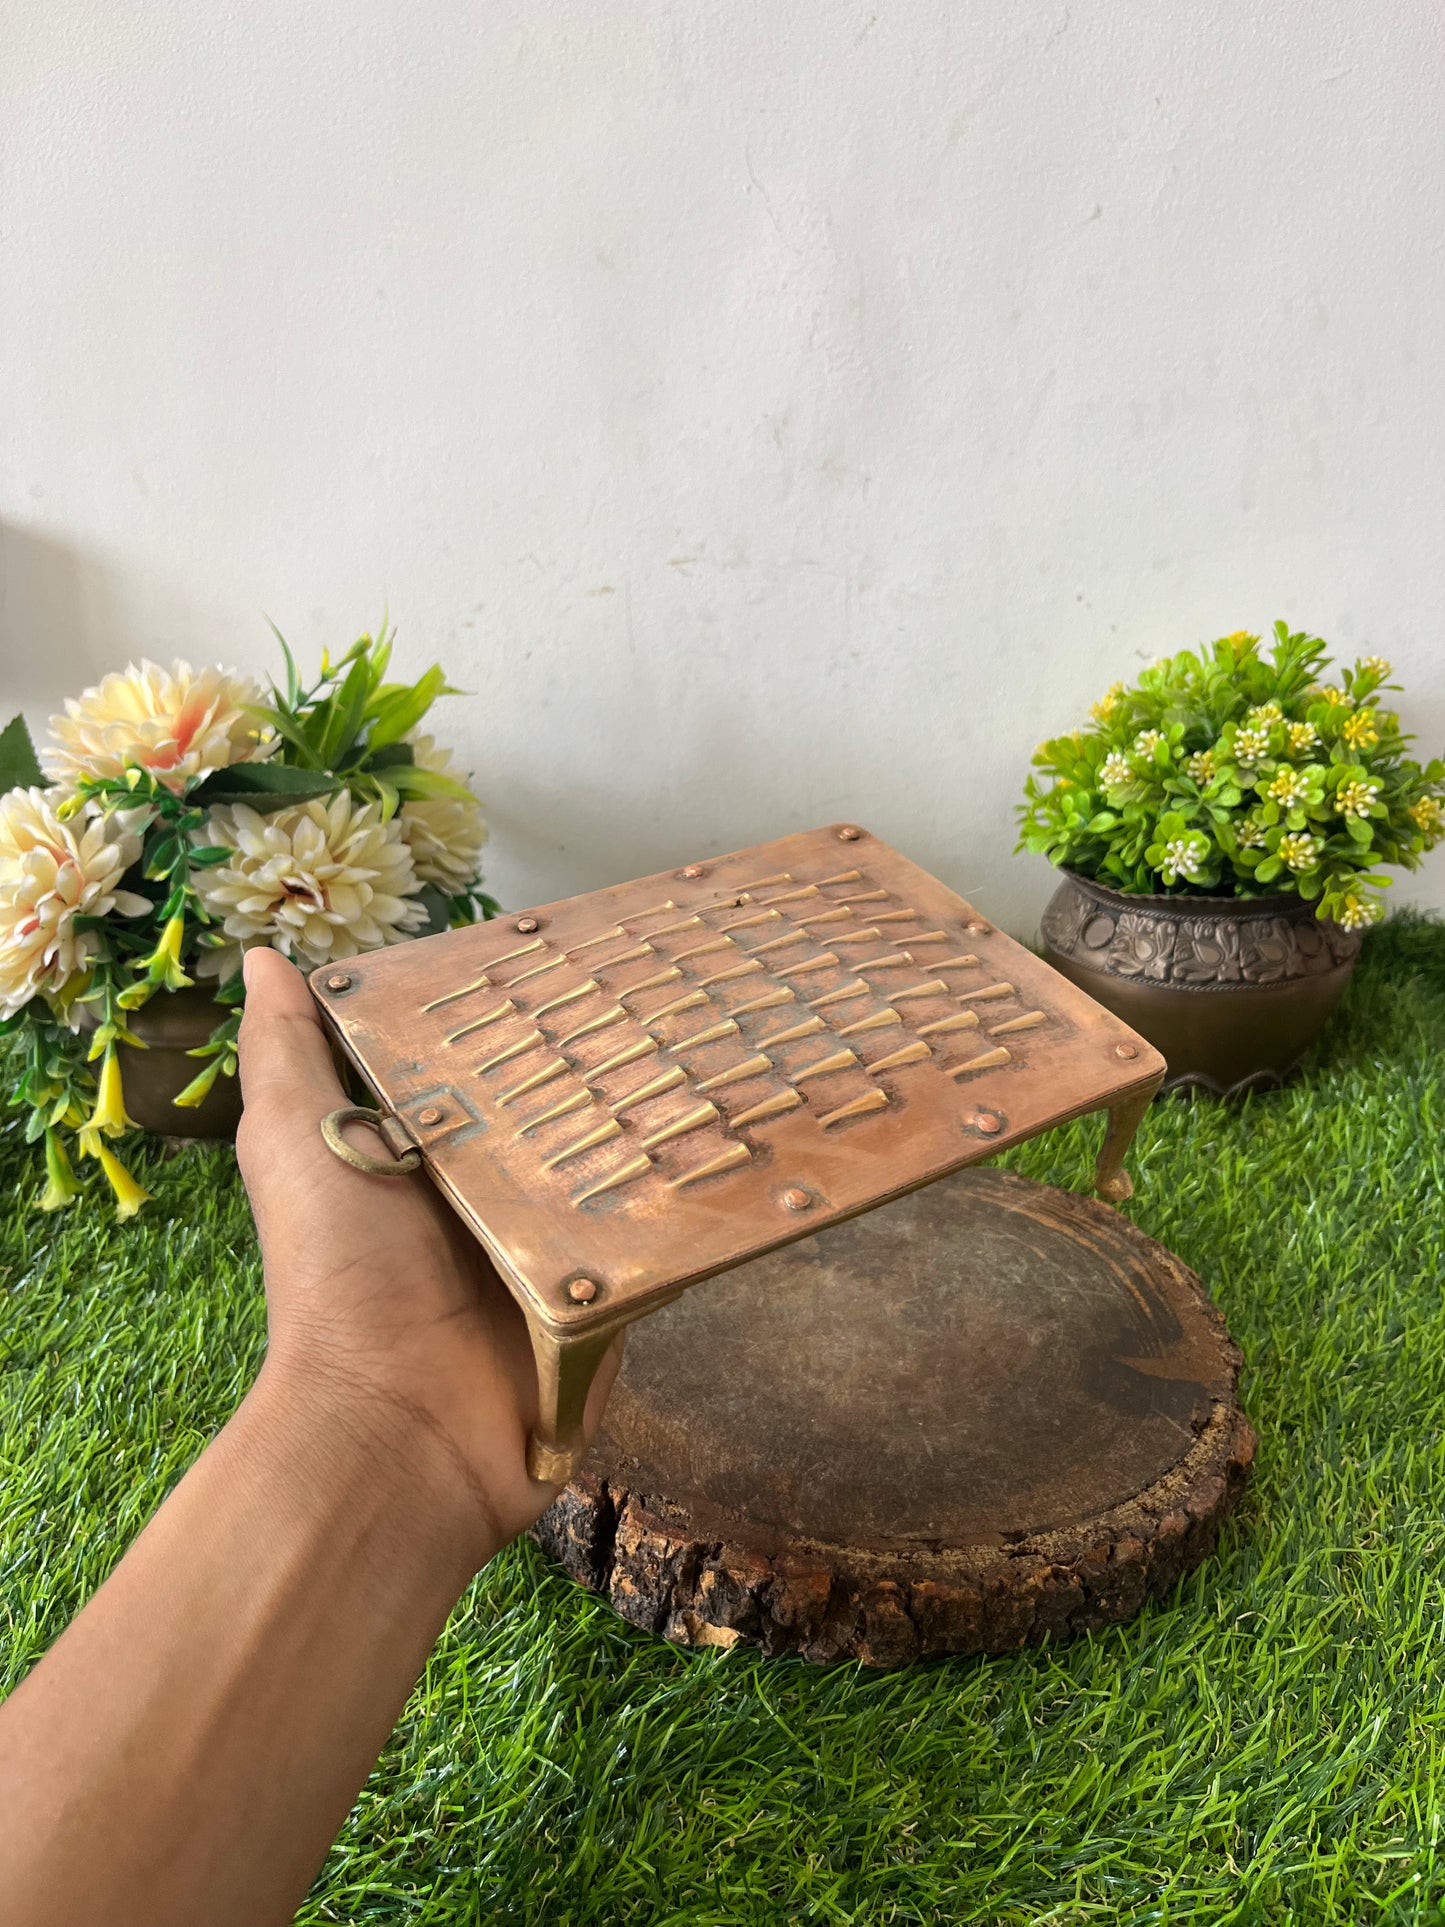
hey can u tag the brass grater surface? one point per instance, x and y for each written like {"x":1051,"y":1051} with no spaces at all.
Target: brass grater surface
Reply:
{"x":652,"y":1083}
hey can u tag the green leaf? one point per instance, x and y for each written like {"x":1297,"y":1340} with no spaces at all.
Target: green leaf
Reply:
{"x":19,"y":765}
{"x":293,"y":681}
{"x":346,"y":709}
{"x":266,"y":785}
{"x":396,"y":709}
{"x":291,"y":729}
{"x":438,"y":910}
{"x":411,"y":781}
{"x":389,"y":756}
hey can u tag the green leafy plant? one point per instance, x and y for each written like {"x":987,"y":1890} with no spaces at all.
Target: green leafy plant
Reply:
{"x":175,"y":819}
{"x":1239,"y":771}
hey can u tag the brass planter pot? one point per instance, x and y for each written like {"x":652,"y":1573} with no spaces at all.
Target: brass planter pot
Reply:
{"x":1232,"y":990}
{"x":172,"y":1023}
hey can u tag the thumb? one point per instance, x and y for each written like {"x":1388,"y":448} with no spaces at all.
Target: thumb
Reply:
{"x":286,"y":1061}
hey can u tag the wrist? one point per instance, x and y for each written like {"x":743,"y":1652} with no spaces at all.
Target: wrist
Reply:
{"x":347,"y":1441}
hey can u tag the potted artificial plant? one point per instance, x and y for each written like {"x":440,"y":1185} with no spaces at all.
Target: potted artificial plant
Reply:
{"x":173,"y":819}
{"x":1222,"y":824}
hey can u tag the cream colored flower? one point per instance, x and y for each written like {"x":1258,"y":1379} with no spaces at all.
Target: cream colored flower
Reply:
{"x":1301,"y":736}
{"x":1377,"y":665}
{"x":1201,"y":765}
{"x":1104,"y":708}
{"x":1250,"y":745}
{"x":1249,"y":835}
{"x":1426,"y":815}
{"x":1264,"y":716}
{"x":320,"y":880}
{"x":1288,"y":788}
{"x":445,"y":835}
{"x":178,"y":723}
{"x":1356,"y":912}
{"x":1147,"y":741}
{"x":1183,"y":856}
{"x":1360,"y":731}
{"x":1300,"y":852}
{"x":1114,"y":771}
{"x":1355,"y":798}
{"x":50,"y":874}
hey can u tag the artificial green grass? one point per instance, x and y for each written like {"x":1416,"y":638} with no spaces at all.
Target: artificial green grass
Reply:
{"x":1267,"y":1745}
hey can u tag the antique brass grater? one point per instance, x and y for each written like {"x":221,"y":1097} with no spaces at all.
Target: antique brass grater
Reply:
{"x":632,"y":1090}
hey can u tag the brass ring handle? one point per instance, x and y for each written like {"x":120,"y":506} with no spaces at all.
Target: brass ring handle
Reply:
{"x":363,"y":1160}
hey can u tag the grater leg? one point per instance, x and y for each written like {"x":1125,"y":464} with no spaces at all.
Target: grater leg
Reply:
{"x":566,"y":1368}
{"x":1111,"y":1180}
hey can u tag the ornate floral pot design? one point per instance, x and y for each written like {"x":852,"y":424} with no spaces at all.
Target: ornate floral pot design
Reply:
{"x":1232,"y":990}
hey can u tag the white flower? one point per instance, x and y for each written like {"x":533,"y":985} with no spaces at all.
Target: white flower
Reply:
{"x":1299,"y":852}
{"x":1250,"y":745}
{"x":50,"y":874}
{"x":1114,"y":771}
{"x":445,"y":835}
{"x":1356,"y":912}
{"x":320,"y":880}
{"x":179,"y":724}
{"x":1301,"y":736}
{"x":1147,"y":741}
{"x":1377,"y":665}
{"x":1355,"y":798}
{"x":1250,"y":835}
{"x":1182,"y":857}
{"x":1264,"y":716}
{"x":1288,"y":788}
{"x":1201,"y":765}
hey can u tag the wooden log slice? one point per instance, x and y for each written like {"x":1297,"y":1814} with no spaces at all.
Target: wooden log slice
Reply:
{"x":988,"y":1414}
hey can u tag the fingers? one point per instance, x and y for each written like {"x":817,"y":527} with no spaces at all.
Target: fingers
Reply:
{"x":285,"y":1059}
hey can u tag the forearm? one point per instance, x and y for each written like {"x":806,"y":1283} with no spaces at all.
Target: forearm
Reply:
{"x":189,"y":1747}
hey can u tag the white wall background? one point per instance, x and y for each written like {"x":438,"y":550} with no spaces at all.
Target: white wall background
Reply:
{"x":770,"y":413}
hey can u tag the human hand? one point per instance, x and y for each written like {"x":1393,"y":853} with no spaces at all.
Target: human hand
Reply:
{"x":387,"y":1320}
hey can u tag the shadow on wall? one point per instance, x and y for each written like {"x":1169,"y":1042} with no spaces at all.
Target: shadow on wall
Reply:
{"x":68,"y":616}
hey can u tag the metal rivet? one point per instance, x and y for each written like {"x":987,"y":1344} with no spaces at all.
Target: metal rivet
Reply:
{"x":431,"y":1115}
{"x":526,"y":925}
{"x":582,"y":1291}
{"x":795,"y":1198}
{"x":989,"y":1122}
{"x":850,"y":833}
{"x":694,"y":870}
{"x":338,"y":982}
{"x":1126,"y":1050}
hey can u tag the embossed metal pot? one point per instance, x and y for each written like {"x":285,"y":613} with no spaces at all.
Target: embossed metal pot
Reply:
{"x":172,"y":1023}
{"x":1232,"y":990}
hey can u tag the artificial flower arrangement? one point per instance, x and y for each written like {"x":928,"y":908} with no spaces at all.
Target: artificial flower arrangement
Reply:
{"x":175,"y":818}
{"x":1233,"y":771}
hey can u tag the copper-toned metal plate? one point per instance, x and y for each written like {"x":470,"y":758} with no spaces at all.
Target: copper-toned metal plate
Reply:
{"x":651,"y":1083}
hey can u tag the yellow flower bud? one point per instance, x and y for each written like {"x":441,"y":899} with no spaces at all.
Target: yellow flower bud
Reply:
{"x":109,"y":1115}
{"x":199,"y":1087}
{"x":129,"y":1196}
{"x":61,"y":1188}
{"x":163,"y":966}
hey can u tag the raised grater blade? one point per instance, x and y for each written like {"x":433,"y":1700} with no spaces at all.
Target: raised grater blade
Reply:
{"x":628,"y":1091}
